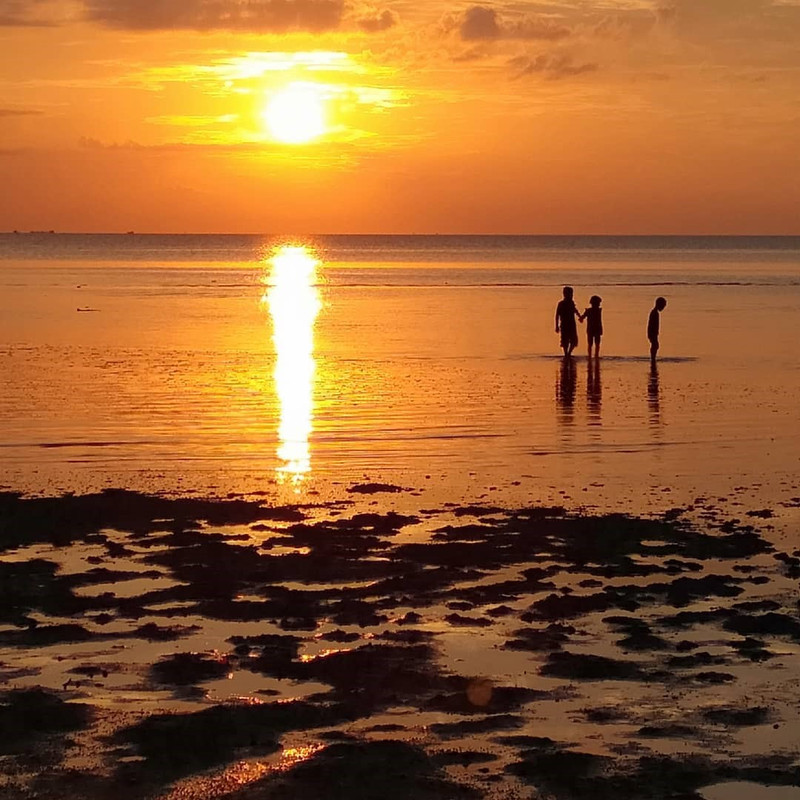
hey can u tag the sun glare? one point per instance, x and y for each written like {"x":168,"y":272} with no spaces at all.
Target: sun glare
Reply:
{"x":294,"y":304}
{"x":296,"y":114}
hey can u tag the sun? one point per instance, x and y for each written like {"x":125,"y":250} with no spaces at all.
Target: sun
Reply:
{"x":296,"y":114}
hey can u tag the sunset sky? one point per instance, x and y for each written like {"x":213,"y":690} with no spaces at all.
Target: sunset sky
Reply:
{"x":326,"y":116}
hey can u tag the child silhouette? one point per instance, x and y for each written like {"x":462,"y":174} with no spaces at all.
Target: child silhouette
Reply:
{"x":654,"y":327}
{"x":566,"y":312}
{"x":594,"y":324}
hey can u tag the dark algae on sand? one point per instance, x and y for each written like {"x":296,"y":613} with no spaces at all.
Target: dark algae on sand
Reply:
{"x":157,"y":647}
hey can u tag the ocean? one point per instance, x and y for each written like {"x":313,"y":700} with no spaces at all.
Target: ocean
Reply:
{"x":295,"y":366}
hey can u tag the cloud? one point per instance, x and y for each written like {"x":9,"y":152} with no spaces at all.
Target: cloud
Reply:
{"x":193,"y":120}
{"x":249,"y":72}
{"x":483,"y":23}
{"x":207,"y":15}
{"x":254,"y":16}
{"x":750,"y":18}
{"x":341,"y":153}
{"x":732,"y":33}
{"x":28,"y":13}
{"x":374,"y":20}
{"x":18,"y":112}
{"x":622,"y":26}
{"x":705,"y":10}
{"x":480,"y":22}
{"x":552,"y":66}
{"x":473,"y":54}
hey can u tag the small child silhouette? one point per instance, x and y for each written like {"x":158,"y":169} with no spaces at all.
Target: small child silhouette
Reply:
{"x":566,"y":312}
{"x":594,"y":324}
{"x":654,"y":327}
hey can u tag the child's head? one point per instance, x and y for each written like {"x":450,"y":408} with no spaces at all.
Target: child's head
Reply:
{"x":594,"y":301}
{"x":661,"y":303}
{"x":568,"y":292}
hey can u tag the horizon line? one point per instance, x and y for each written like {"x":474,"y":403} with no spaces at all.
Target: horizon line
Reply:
{"x":54,"y":232}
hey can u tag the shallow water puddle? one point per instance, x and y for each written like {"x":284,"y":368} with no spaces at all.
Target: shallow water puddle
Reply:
{"x":750,"y":791}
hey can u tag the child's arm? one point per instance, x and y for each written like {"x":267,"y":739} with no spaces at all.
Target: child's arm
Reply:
{"x":558,"y":319}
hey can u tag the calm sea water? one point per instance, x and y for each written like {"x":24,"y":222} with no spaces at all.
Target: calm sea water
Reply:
{"x":206,"y":363}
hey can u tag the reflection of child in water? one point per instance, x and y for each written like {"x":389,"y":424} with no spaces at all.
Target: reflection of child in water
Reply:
{"x":594,"y":324}
{"x":566,"y":312}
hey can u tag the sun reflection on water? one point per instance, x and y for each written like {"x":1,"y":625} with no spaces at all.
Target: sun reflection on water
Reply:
{"x":294,"y":303}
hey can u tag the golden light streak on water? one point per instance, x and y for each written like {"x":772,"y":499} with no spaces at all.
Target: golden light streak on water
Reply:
{"x":294,"y":303}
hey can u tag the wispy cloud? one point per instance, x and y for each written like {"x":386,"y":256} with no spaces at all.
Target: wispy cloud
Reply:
{"x":552,"y":66}
{"x":344,"y":153}
{"x":205,"y":15}
{"x":247,"y":72}
{"x":19,"y":112}
{"x":485,"y":23}
{"x":753,"y":20}
{"x":373,"y":20}
{"x":192,"y":121}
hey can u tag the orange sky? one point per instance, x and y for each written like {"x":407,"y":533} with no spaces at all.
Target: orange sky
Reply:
{"x":571,"y":116}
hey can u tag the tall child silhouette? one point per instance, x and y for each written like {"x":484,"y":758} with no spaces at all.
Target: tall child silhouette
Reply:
{"x":566,"y":313}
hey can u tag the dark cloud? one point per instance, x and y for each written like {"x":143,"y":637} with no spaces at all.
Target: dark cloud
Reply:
{"x":534,"y":28}
{"x":375,"y":21}
{"x":552,"y":66}
{"x":481,"y":23}
{"x":206,"y":15}
{"x":24,"y":13}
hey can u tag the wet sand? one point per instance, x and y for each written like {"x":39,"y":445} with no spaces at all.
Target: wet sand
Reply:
{"x":376,"y":646}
